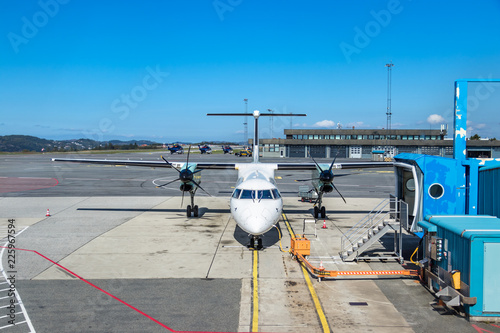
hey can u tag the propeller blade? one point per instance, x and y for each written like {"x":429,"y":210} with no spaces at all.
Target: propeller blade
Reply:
{"x":305,"y":180}
{"x":201,"y":188}
{"x":187,"y":161}
{"x":315,"y":162}
{"x":333,"y":162}
{"x":338,"y":192}
{"x":182,"y":199}
{"x":171,"y":165}
{"x":169,"y":182}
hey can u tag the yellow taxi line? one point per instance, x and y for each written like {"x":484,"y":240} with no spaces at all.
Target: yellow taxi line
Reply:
{"x":317,"y":303}
{"x":255,"y":298}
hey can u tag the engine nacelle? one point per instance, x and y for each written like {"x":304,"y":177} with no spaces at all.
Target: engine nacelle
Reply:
{"x":186,"y":187}
{"x":326,"y":188}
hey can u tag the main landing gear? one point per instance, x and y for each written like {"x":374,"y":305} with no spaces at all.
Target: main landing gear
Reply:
{"x":192,"y":208}
{"x":320,"y":210}
{"x":252,"y":243}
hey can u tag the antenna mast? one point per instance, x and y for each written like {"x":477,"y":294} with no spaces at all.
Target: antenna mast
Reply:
{"x":389,"y":107}
{"x":245,"y":124}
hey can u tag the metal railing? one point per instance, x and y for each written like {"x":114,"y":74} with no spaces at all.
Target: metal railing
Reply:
{"x":387,"y":209}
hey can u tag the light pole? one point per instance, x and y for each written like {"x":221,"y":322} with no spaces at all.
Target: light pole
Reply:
{"x":245,"y":124}
{"x":389,"y":107}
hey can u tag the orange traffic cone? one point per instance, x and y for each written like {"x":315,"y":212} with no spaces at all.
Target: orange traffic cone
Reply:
{"x":48,"y":213}
{"x":321,"y":268}
{"x":324,"y":224}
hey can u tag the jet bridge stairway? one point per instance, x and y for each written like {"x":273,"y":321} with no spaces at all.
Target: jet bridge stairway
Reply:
{"x":384,"y":218}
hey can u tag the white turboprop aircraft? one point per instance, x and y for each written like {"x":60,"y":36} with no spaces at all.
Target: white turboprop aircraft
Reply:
{"x":256,"y":204}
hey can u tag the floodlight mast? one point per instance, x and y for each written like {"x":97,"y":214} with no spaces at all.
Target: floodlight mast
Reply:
{"x":389,"y":107}
{"x":245,"y":124}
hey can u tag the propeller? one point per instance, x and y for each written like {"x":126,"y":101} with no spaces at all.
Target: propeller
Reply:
{"x":326,"y":177}
{"x":186,"y":177}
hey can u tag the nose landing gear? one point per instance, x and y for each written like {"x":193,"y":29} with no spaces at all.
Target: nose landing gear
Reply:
{"x":252,"y":243}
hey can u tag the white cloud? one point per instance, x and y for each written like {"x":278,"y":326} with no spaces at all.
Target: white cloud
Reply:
{"x":434,"y":119}
{"x":356,"y":124}
{"x":325,"y":123}
{"x":475,"y":128}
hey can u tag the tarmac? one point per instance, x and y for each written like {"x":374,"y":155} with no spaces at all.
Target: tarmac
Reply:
{"x":138,"y":264}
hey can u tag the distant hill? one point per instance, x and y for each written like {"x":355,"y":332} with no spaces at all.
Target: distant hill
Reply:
{"x":132,"y":142}
{"x":18,"y":143}
{"x":27,"y":143}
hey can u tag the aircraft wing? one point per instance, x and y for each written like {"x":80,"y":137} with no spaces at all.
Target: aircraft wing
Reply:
{"x":347,"y":165}
{"x":150,"y":164}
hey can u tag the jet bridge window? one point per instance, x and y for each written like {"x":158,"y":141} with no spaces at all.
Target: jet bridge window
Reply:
{"x":264,"y":194}
{"x":236,"y":193}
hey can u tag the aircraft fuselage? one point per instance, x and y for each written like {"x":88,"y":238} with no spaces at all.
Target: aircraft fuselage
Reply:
{"x":256,"y":204}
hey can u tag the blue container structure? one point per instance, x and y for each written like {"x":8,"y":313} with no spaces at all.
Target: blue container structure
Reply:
{"x":454,"y":204}
{"x":489,"y":190}
{"x":471,"y":245}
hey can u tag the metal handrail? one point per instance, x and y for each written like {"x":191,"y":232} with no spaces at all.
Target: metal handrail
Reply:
{"x":374,"y":217}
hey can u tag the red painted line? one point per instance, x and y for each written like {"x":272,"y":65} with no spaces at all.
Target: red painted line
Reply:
{"x":19,"y":184}
{"x":479,"y":329}
{"x":98,"y":288}
{"x":109,"y":294}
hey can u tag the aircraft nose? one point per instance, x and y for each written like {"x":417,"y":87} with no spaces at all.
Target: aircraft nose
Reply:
{"x":257,"y":224}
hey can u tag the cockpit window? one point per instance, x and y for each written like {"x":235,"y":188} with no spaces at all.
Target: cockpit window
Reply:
{"x":256,"y":194}
{"x":236,"y":193}
{"x":247,"y":194}
{"x":264,"y":194}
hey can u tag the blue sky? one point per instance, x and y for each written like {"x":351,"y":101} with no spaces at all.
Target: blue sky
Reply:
{"x":153,"y":69}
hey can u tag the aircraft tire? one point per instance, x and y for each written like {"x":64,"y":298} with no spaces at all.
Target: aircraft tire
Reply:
{"x":323,"y":212}
{"x":259,"y":244}
{"x":188,"y":211}
{"x":195,"y":211}
{"x":316,"y":212}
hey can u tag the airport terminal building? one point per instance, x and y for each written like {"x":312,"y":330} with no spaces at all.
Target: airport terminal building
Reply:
{"x":372,"y":144}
